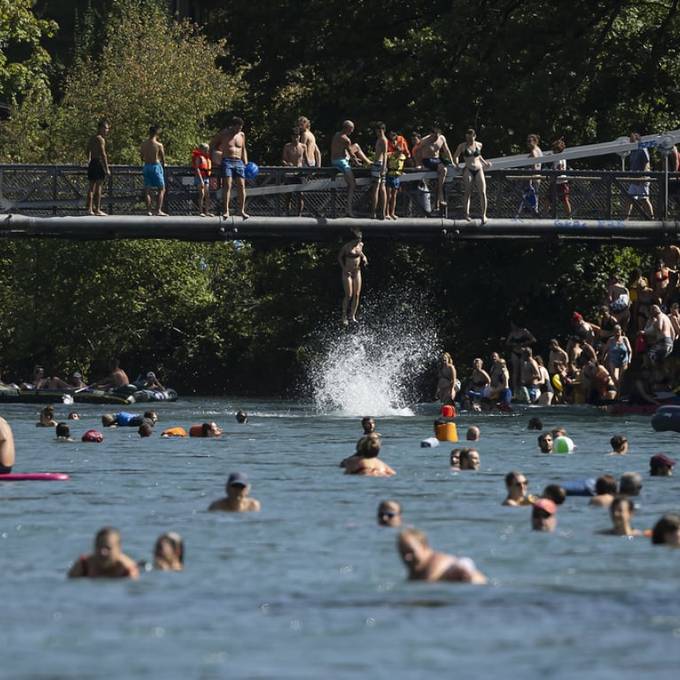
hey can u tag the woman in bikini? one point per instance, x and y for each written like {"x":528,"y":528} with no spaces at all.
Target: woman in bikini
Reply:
{"x":446,"y":384}
{"x":473,"y":171}
{"x":351,"y":257}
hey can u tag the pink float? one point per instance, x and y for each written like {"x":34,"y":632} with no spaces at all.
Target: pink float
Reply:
{"x":35,"y":477}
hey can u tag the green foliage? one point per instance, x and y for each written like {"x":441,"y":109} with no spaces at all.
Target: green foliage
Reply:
{"x":23,"y":59}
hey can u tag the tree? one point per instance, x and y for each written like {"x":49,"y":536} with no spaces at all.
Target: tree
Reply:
{"x":23,"y":59}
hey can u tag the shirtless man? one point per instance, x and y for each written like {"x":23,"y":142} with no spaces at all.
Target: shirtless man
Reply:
{"x":117,"y":378}
{"x":544,"y":515}
{"x":660,"y":335}
{"x":531,"y":374}
{"x":107,"y":561}
{"x":378,"y":173}
{"x":312,"y":157}
{"x":434,"y":154}
{"x":367,"y":462}
{"x":516,"y":483}
{"x":341,"y":154}
{"x":424,"y":564}
{"x":7,"y":454}
{"x":351,"y":257}
{"x":557,"y":355}
{"x":237,"y":499}
{"x":153,"y":155}
{"x":231,"y":143}
{"x":293,"y":156}
{"x":98,"y":168}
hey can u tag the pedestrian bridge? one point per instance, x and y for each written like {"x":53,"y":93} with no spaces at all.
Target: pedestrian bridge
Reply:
{"x":49,"y":202}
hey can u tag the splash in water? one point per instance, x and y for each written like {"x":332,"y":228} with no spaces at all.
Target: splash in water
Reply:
{"x":374,"y":369}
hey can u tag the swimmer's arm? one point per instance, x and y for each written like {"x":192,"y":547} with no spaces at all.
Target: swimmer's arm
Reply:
{"x":161,"y":154}
{"x":364,"y":259}
{"x":446,"y":150}
{"x":317,"y":155}
{"x":255,"y":505}
{"x":244,"y":151}
{"x":76,"y":570}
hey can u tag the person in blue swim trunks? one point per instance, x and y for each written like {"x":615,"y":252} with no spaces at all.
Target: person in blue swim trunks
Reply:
{"x":341,"y":153}
{"x":231,"y":142}
{"x":153,"y":155}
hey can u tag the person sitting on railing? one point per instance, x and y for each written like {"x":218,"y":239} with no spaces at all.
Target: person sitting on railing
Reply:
{"x":293,"y":156}
{"x":98,"y":168}
{"x":639,"y":191}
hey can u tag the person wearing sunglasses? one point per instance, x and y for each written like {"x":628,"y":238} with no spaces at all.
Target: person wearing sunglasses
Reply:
{"x":389,"y":514}
{"x":516,"y":484}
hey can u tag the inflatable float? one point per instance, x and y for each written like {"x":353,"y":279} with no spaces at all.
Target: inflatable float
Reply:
{"x":118,"y":398}
{"x":667,"y":419}
{"x":34,"y":477}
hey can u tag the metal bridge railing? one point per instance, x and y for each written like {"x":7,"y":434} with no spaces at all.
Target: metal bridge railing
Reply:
{"x":52,"y":190}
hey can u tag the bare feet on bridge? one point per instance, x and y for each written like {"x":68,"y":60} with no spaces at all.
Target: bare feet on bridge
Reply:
{"x":244,"y":214}
{"x":101,"y":213}
{"x":226,"y":215}
{"x":160,"y":213}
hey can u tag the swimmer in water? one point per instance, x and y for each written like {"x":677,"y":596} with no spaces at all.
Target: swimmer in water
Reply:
{"x":389,"y":514}
{"x":368,"y":425}
{"x":73,"y":416}
{"x":605,"y":490}
{"x":63,"y":433}
{"x":47,"y":418}
{"x":469,"y":459}
{"x":473,"y":434}
{"x":619,"y":445}
{"x":107,"y":561}
{"x":621,"y":511}
{"x":424,"y":564}
{"x":544,"y":515}
{"x":145,"y":430}
{"x":667,"y":531}
{"x":454,"y":459}
{"x":555,"y":493}
{"x":630,"y":484}
{"x":7,"y":451}
{"x":367,"y":462}
{"x":661,"y":465}
{"x":237,"y":499}
{"x":211,"y":430}
{"x":241,"y":417}
{"x":168,"y":553}
{"x":516,"y":484}
{"x":351,"y":257}
{"x":545,"y":442}
{"x":535,"y":424}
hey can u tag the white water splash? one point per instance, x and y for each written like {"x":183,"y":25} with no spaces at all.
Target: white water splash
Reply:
{"x":373,"y":370}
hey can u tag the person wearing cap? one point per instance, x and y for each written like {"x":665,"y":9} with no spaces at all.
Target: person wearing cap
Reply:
{"x":630,"y":484}
{"x":241,"y":417}
{"x":667,"y":531}
{"x":544,"y":515}
{"x":516,"y":483}
{"x":168,"y":553}
{"x":366,"y":461}
{"x":424,"y":564}
{"x":621,"y":511}
{"x":389,"y":514}
{"x":473,"y":434}
{"x":237,"y":499}
{"x":605,"y":490}
{"x":107,"y":560}
{"x":661,"y":465}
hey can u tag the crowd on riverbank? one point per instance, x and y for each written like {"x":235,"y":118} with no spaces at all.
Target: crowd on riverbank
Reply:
{"x":627,"y":352}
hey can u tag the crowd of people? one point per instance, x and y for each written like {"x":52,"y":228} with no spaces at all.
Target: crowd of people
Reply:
{"x":217,"y":164}
{"x":627,"y":352}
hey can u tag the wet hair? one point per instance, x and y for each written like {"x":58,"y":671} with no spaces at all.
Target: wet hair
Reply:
{"x":145,"y":429}
{"x":454,"y":457}
{"x":617,"y":442}
{"x":241,"y":416}
{"x":369,"y":446}
{"x":630,"y":483}
{"x":511,"y":478}
{"x":365,"y":422}
{"x":535,"y":424}
{"x":63,"y":430}
{"x":465,"y":456}
{"x":176,"y":541}
{"x":205,"y":429}
{"x":621,"y":500}
{"x":535,"y":137}
{"x":102,"y":122}
{"x":472,"y":434}
{"x":237,"y":121}
{"x":154,"y":130}
{"x":555,"y":493}
{"x":471,"y":132}
{"x":108,"y":420}
{"x":666,"y":524}
{"x":48,"y":411}
{"x":605,"y":484}
{"x":150,"y":415}
{"x":542,"y":437}
{"x":105,"y":532}
{"x":383,"y":505}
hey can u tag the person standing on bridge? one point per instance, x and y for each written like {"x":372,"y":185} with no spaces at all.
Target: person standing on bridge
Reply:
{"x":434,"y":154}
{"x":341,"y":153}
{"x":473,"y":171}
{"x":98,"y":168}
{"x":231,"y":142}
{"x":153,"y":155}
{"x":378,"y":173}
{"x":639,"y":191}
{"x":293,"y":156}
{"x":312,"y":157}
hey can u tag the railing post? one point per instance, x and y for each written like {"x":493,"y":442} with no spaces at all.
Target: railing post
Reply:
{"x":110,"y":190}
{"x":610,"y":186}
{"x":54,"y":189}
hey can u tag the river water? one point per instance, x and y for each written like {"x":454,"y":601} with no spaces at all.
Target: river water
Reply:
{"x":311,"y":587}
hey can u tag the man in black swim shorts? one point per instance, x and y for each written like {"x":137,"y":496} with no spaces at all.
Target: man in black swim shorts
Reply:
{"x":98,"y":168}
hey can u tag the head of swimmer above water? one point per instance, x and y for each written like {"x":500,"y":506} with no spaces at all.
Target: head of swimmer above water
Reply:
{"x":211,"y":429}
{"x":169,"y":548}
{"x":543,"y":515}
{"x":237,"y":485}
{"x":107,"y":548}
{"x":368,"y":425}
{"x":545,"y":442}
{"x":389,"y":514}
{"x":621,"y":511}
{"x":667,"y":531}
